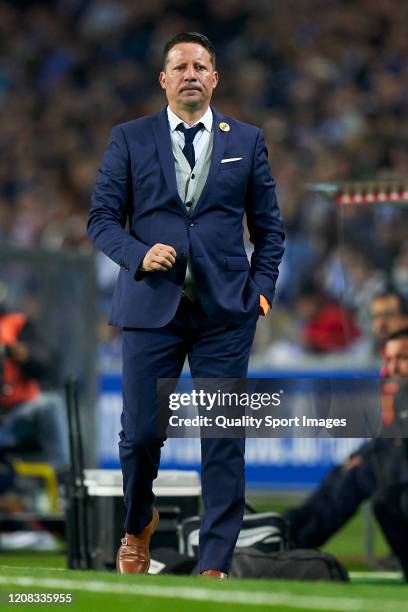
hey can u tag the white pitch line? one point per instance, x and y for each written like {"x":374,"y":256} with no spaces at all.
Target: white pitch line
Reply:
{"x":29,"y":568}
{"x":247,"y":598}
{"x":376,"y":575}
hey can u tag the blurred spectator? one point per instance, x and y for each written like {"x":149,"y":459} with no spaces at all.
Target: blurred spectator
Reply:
{"x":389,"y":313}
{"x":327,"y":325}
{"x":6,"y":475}
{"x":376,"y":464}
{"x":400,"y":270}
{"x":351,"y":276}
{"x":32,"y":423}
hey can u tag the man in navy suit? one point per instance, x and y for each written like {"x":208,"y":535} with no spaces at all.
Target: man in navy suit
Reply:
{"x":183,"y":179}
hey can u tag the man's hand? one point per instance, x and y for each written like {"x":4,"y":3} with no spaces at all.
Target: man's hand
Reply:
{"x":161,"y":257}
{"x":351,"y":463}
{"x":263,"y":306}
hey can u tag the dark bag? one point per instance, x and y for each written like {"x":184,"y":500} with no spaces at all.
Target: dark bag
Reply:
{"x":169,"y":561}
{"x":296,"y":564}
{"x":264,"y":531}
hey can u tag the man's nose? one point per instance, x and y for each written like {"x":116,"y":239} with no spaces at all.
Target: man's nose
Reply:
{"x":190,"y":74}
{"x":394,"y":370}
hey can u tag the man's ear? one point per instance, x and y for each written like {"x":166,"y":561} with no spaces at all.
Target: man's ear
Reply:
{"x":162,"y":80}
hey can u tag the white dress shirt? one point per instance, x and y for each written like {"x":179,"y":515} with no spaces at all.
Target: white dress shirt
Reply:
{"x":201,"y":138}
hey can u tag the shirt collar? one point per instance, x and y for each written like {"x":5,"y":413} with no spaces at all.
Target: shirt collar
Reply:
{"x":206,"y":120}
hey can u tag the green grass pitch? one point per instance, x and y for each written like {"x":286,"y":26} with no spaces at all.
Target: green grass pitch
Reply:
{"x":100,"y":592}
{"x":95,"y":591}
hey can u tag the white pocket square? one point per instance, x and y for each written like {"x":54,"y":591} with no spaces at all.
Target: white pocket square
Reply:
{"x":230,"y":159}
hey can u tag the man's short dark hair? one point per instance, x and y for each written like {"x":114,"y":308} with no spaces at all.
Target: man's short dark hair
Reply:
{"x":189,"y":37}
{"x":390,"y":291}
{"x":401,"y":334}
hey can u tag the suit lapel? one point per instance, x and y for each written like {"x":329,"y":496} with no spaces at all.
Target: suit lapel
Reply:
{"x":219,"y":143}
{"x":163,"y":142}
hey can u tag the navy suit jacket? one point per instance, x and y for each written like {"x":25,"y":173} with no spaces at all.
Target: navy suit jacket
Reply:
{"x":137,"y":184}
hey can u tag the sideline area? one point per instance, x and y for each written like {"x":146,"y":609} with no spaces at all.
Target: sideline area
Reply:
{"x":107,"y":591}
{"x":369,"y":591}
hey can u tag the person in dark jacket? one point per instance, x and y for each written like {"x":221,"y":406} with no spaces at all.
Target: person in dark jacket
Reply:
{"x":374,"y":466}
{"x":390,"y":503}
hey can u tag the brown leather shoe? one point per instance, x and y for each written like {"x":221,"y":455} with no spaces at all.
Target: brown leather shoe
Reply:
{"x":214,"y":574}
{"x":133,"y":556}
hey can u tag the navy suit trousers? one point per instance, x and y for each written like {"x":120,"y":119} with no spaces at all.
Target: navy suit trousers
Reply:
{"x":213,"y":351}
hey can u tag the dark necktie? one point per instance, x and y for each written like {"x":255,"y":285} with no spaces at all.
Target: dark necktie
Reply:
{"x":189,"y":135}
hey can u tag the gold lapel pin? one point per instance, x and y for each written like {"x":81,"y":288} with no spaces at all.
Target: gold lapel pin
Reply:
{"x":225,"y":127}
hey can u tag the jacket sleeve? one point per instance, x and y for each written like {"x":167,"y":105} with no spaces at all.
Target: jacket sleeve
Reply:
{"x":110,"y":203}
{"x":265,"y":225}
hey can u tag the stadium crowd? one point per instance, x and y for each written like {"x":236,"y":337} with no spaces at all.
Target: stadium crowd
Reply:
{"x":327,"y":81}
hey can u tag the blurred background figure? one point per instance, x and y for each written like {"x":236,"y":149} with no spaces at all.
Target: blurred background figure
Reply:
{"x":327,"y":326}
{"x":389,"y":314}
{"x":391,"y":501}
{"x":32,"y":422}
{"x":376,"y":464}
